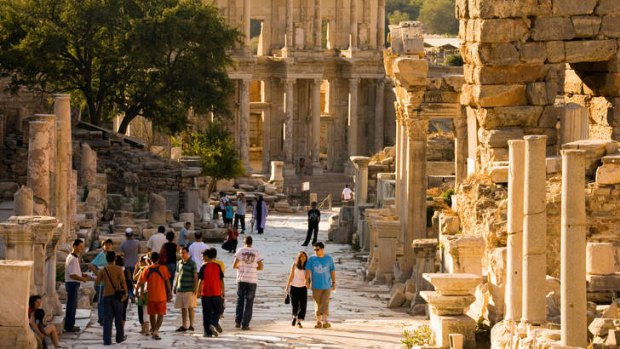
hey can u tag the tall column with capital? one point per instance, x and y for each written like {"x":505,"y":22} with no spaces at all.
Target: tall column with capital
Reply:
{"x":379,"y":111}
{"x":381,"y":24}
{"x":353,"y":116}
{"x":244,"y":123}
{"x":353,"y":24}
{"x":246,"y":26}
{"x":288,"y":41}
{"x":318,"y":26}
{"x":316,"y":126}
{"x":289,"y":167}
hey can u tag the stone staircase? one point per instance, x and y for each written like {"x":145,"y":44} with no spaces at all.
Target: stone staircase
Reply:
{"x":323,"y":185}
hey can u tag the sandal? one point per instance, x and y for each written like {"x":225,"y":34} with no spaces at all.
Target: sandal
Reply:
{"x":318,"y":325}
{"x":327,"y":325}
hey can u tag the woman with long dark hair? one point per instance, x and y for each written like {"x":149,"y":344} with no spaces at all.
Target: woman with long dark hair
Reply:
{"x":296,"y":288}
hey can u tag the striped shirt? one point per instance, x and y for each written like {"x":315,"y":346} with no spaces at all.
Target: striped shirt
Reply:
{"x":185,"y":272}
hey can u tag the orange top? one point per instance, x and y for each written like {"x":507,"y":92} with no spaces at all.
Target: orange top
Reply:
{"x":156,"y":284}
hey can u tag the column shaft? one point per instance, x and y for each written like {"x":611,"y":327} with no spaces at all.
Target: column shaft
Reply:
{"x":39,"y":165}
{"x":514,"y":268}
{"x":316,"y":124}
{"x":244,"y":122}
{"x":353,"y":116}
{"x":353,"y":24}
{"x":460,"y":149}
{"x":534,"y":231}
{"x":246,"y":25}
{"x":318,"y":25}
{"x":573,"y":250}
{"x":62,"y":110}
{"x":288,"y":42}
{"x":379,"y":115}
{"x":381,"y":24}
{"x":289,"y":124}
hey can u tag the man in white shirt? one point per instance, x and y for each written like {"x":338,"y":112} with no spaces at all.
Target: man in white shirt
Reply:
{"x":248,"y":262}
{"x":196,"y":248}
{"x":73,"y":278}
{"x":157,"y":240}
{"x":347,"y":193}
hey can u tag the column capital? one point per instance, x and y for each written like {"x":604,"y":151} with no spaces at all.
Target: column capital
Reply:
{"x":354,"y":81}
{"x":317,"y":80}
{"x":287,"y":81}
{"x":417,"y":129}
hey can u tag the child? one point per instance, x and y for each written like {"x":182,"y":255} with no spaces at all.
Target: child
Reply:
{"x":228,"y":215}
{"x":36,"y":316}
{"x":230,"y":244}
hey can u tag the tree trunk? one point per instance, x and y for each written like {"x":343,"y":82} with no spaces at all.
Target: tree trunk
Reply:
{"x":211,"y":186}
{"x":122,"y":129}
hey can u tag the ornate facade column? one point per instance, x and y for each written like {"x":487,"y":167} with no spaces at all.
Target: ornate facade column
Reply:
{"x":244,"y":122}
{"x":289,"y":124}
{"x":353,"y":25}
{"x":379,"y":114}
{"x":353,"y":116}
{"x":316,"y":126}
{"x":246,"y":26}
{"x":318,"y":26}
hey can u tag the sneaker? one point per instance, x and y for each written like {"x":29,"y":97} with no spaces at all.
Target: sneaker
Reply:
{"x":245,"y":328}
{"x":72,"y":329}
{"x":237,"y":325}
{"x":191,"y":328}
{"x":318,"y":325}
{"x":304,"y":245}
{"x":327,"y":325}
{"x":181,"y":329}
{"x":213,"y":330}
{"x":294,"y":321}
{"x":219,"y":328}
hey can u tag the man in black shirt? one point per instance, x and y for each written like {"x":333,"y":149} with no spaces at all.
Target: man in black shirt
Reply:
{"x":314,"y":217}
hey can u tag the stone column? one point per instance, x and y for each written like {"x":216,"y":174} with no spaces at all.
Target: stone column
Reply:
{"x":460,"y":149}
{"x":39,"y":147}
{"x":379,"y":114}
{"x":244,"y":123}
{"x":62,"y":110}
{"x":246,"y":26}
{"x":318,"y":26}
{"x":288,"y":41}
{"x":14,"y":329}
{"x":514,"y":268}
{"x":316,"y":127}
{"x":573,"y":255}
{"x":415,"y":208}
{"x":353,"y":24}
{"x":157,"y":209}
{"x":289,"y":124}
{"x":353,"y":115}
{"x":361,"y":184}
{"x":534,"y":231}
{"x":276,"y":171}
{"x":574,"y":123}
{"x":88,"y":166}
{"x":23,"y":202}
{"x":72,"y":210}
{"x":381,"y":24}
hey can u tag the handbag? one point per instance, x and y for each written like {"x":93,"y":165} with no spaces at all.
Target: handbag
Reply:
{"x":287,"y":299}
{"x":120,"y":293}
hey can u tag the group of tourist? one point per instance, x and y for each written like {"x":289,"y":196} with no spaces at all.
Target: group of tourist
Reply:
{"x":236,"y":218}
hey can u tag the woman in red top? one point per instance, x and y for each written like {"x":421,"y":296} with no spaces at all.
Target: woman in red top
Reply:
{"x":36,"y":315}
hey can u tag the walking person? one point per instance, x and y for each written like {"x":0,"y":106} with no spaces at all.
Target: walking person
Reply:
{"x":157,"y":279}
{"x":114,"y":293}
{"x":211,"y":291}
{"x":248,"y":262}
{"x":321,"y":275}
{"x":314,"y":217}
{"x":141,"y":295}
{"x":121,"y":263}
{"x":183,"y":234}
{"x":228,"y":215}
{"x":240,"y":214}
{"x":259,"y":214}
{"x":98,"y":263}
{"x":196,"y":248}
{"x":157,"y":240}
{"x":168,"y":255}
{"x":347,"y":194}
{"x":297,"y":290}
{"x":73,"y":278}
{"x":130,"y":249}
{"x":36,"y":319}
{"x":185,"y":288}
{"x":221,"y":205}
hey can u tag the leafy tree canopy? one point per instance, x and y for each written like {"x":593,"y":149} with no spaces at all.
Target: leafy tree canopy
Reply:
{"x":151,"y":58}
{"x":437,"y":15}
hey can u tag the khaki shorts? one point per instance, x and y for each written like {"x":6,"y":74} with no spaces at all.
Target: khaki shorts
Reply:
{"x":321,"y":301}
{"x":184,"y":300}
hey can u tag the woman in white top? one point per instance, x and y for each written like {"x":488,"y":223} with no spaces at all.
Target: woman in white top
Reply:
{"x":296,"y":288}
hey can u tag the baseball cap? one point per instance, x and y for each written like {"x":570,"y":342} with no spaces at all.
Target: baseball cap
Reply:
{"x":128,"y":231}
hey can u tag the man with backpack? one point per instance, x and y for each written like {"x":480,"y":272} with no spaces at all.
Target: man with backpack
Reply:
{"x":157,"y":278}
{"x":314,"y":217}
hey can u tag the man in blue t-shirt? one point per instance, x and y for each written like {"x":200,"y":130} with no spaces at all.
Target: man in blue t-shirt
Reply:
{"x":321,"y":274}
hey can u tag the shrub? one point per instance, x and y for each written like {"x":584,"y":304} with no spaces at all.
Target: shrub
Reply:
{"x":422,"y":335}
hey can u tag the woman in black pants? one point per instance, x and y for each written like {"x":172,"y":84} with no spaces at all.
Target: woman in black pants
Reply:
{"x":296,"y":287}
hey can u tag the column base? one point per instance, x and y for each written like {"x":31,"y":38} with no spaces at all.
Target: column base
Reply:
{"x":317,"y":169}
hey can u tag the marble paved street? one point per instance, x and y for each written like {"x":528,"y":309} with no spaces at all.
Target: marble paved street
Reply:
{"x":359,"y":316}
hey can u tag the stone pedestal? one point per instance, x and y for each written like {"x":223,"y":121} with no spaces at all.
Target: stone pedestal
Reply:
{"x":573,"y":250}
{"x":187,"y":217}
{"x":425,"y":252}
{"x":15,"y":331}
{"x":600,"y":258}
{"x":361,"y":182}
{"x":192,"y":201}
{"x":23,"y":202}
{"x":88,"y":166}
{"x":276,"y":171}
{"x":463,"y":254}
{"x":387,"y":233}
{"x":574,"y":123}
{"x":157,"y":209}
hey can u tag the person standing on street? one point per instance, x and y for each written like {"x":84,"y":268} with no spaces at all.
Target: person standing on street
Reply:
{"x":259,"y":214}
{"x":157,"y":279}
{"x":347,"y":194}
{"x":184,"y":288}
{"x":321,"y":275}
{"x":130,"y":249}
{"x":297,"y":290}
{"x":314,"y":217}
{"x":240,"y":214}
{"x":183,"y":234}
{"x":73,"y":277}
{"x":248,"y":262}
{"x":211,"y":291}
{"x":113,"y":279}
{"x":168,"y":255}
{"x":97,"y":264}
{"x":196,"y":248}
{"x":157,"y":240}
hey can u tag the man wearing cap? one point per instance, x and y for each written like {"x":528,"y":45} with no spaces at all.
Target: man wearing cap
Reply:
{"x":130,"y":248}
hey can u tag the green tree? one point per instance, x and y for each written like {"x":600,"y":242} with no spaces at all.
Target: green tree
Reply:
{"x":438,"y":17}
{"x":151,"y":58}
{"x":409,"y":7}
{"x":218,"y":153}
{"x":396,"y":17}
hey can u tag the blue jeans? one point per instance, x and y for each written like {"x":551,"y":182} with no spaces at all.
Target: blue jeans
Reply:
{"x":211,"y":310}
{"x":72,"y":302}
{"x":112,"y":311}
{"x":99,"y":289}
{"x":245,"y":302}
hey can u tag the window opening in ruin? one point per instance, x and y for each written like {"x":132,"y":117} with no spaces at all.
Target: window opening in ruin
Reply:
{"x":256,"y":36}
